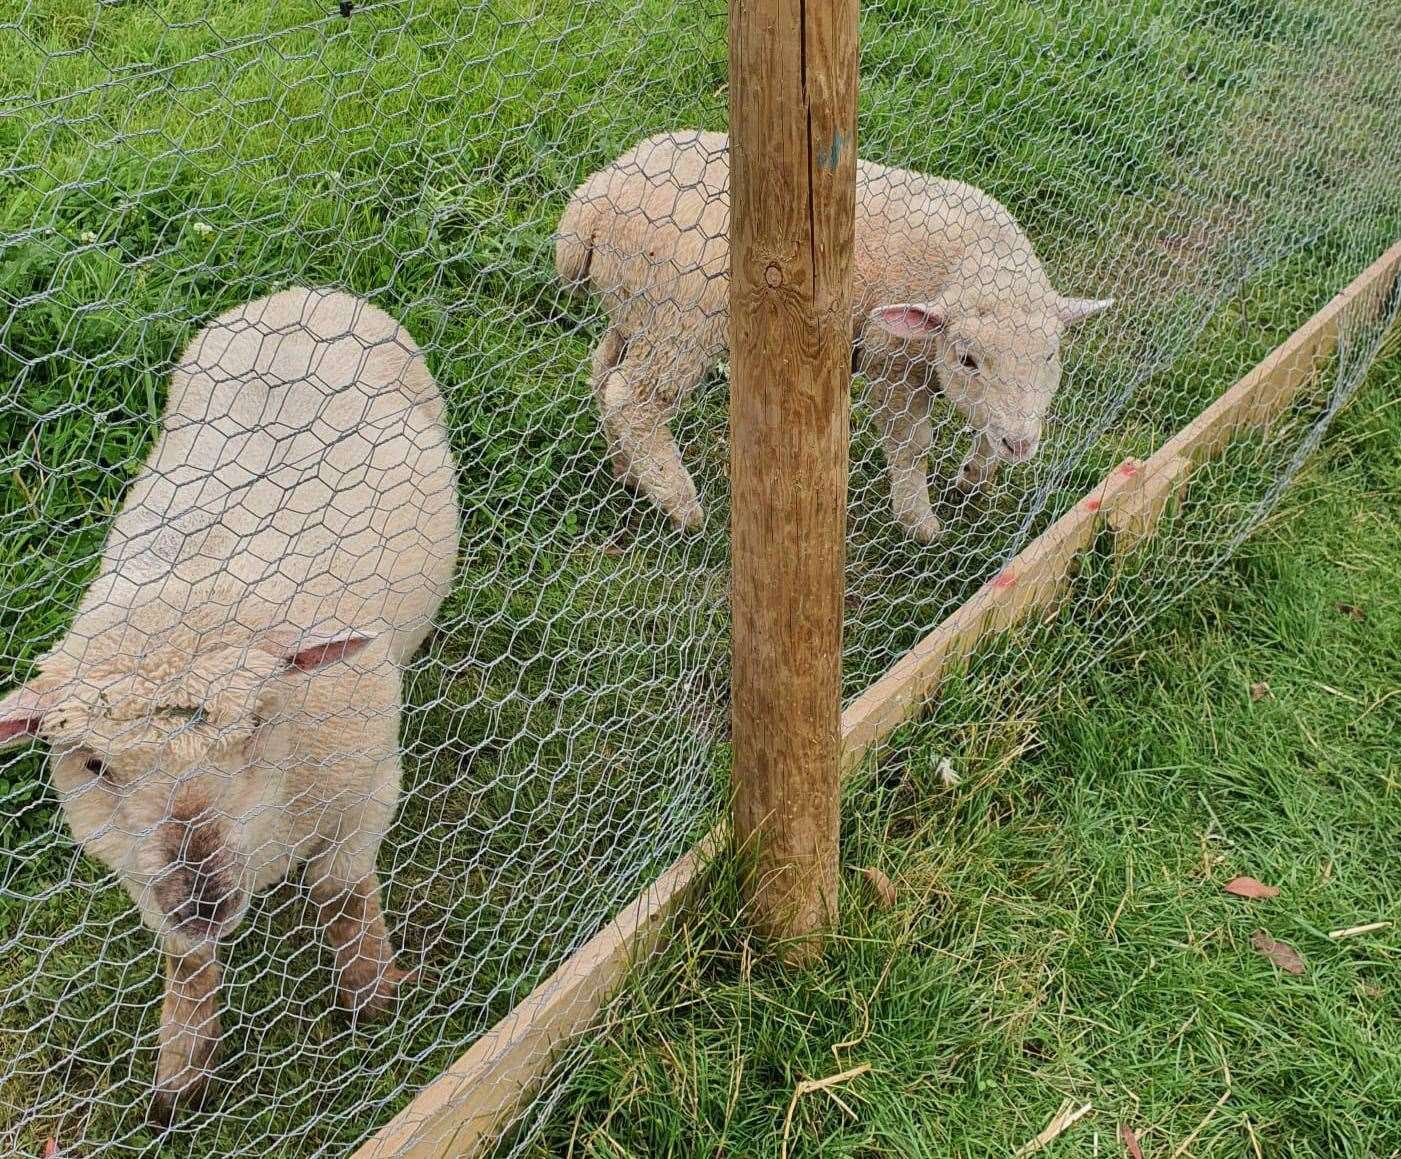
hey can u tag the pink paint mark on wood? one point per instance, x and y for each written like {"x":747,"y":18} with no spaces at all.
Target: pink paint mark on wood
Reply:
{"x":1005,"y":580}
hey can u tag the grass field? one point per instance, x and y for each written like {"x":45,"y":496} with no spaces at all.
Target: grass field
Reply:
{"x":1223,"y":166}
{"x":1060,"y":931}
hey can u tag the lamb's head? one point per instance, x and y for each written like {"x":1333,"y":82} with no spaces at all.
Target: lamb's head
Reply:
{"x":166,"y":760}
{"x":996,"y":356}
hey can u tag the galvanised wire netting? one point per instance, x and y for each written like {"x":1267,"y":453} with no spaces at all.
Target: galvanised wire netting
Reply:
{"x":211,"y":678}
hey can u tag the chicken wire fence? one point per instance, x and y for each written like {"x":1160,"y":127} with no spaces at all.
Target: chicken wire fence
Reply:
{"x":1217,"y":168}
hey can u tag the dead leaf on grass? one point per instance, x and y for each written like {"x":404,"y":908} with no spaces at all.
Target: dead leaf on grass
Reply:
{"x":1355,"y":931}
{"x":1126,"y":1133}
{"x":810,"y":1086}
{"x":1282,"y":954}
{"x":1064,"y":1119}
{"x":1249,"y":887}
{"x":1261,"y":691}
{"x":881,"y":886}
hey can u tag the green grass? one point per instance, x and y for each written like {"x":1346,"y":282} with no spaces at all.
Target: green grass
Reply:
{"x":1060,"y":930}
{"x":567,"y":730}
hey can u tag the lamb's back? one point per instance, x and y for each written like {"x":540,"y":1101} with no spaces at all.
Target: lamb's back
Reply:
{"x":655,"y":224}
{"x":915,"y":234}
{"x":302,"y":465}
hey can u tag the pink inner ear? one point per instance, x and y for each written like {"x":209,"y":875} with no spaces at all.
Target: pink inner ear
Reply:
{"x":318,"y":654}
{"x":910,"y":320}
{"x":13,"y":727}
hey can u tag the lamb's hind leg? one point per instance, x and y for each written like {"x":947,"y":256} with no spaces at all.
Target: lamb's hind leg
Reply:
{"x":638,"y":399}
{"x":606,"y":357}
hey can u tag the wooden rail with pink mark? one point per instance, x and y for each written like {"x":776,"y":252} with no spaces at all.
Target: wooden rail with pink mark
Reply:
{"x":464,"y":1110}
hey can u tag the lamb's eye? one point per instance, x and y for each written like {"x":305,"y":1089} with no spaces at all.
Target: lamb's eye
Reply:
{"x":967,"y":361}
{"x":96,"y":767}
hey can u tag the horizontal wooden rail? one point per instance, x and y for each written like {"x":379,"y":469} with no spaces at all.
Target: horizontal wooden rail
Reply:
{"x":1267,"y":391}
{"x":1032,"y":581}
{"x":462,"y":1112}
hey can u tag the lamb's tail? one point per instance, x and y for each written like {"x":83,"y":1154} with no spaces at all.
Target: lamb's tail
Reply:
{"x":574,"y":238}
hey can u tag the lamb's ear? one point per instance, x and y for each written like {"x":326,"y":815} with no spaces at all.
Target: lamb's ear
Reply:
{"x":20,"y":715}
{"x":1072,"y":310}
{"x":911,"y":319}
{"x":307,"y":651}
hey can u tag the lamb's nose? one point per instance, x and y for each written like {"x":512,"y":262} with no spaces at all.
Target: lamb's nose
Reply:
{"x":212,"y":895}
{"x":1018,"y":449}
{"x":203,"y":901}
{"x":207,"y":902}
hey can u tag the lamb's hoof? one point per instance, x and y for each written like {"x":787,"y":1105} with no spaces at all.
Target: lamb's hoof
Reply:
{"x":923,"y":530}
{"x":174,"y":1096}
{"x":971,"y":483}
{"x":689,"y":518}
{"x":378,"y":995}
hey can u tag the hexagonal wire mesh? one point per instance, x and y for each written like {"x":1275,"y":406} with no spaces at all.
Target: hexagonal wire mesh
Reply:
{"x":222,"y":732}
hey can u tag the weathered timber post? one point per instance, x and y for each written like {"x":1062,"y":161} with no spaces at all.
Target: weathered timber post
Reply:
{"x":793,"y":66}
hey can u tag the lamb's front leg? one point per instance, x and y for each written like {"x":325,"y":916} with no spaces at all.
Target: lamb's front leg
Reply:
{"x":908,"y":437}
{"x":189,"y":1034}
{"x":980,"y":465}
{"x":367,"y":978}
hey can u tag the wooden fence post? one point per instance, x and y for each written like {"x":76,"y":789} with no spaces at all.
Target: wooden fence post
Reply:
{"x":793,"y":66}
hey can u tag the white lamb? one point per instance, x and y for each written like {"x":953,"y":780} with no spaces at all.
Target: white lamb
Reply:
{"x":948,"y":296}
{"x":226,"y":703}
